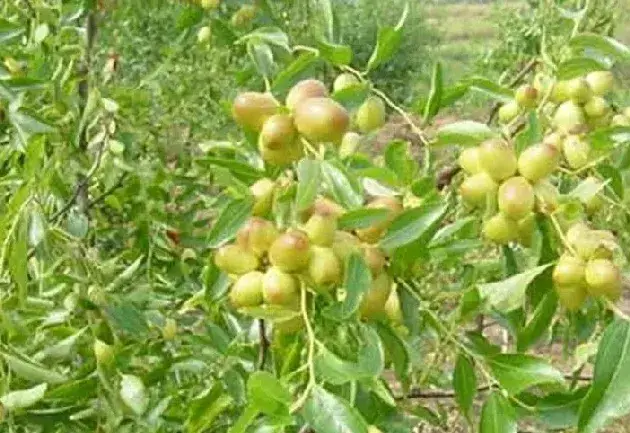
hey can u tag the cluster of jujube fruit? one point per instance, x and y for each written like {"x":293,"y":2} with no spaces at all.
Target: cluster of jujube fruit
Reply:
{"x":309,"y":117}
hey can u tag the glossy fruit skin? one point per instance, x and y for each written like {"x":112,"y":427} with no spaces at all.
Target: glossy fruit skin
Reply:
{"x":392,"y":308}
{"x":257,"y":235}
{"x":373,"y":233}
{"x":304,"y":90}
{"x":374,"y":300}
{"x":569,"y":118}
{"x":320,"y":229}
{"x":576,"y":151}
{"x":497,"y":158}
{"x":233,"y":259}
{"x":569,"y":271}
{"x":475,"y":189}
{"x":204,"y":34}
{"x":469,"y":160}
{"x":103,"y":352}
{"x":284,"y":156}
{"x":526,"y":96}
{"x":591,"y":244}
{"x":371,"y":115}
{"x":323,"y":206}
{"x":322,"y":120}
{"x":547,"y":196}
{"x":169,"y":330}
{"x":603,"y":278}
{"x":262,"y":190}
{"x":508,"y":112}
{"x":252,"y":109}
{"x":560,"y":92}
{"x":345,"y":80}
{"x":516,"y":198}
{"x":526,"y":227}
{"x":290,"y":252}
{"x":280,"y":288}
{"x":601,"y":82}
{"x":324,"y":268}
{"x":597,"y":107}
{"x":375,"y":259}
{"x":247,"y":290}
{"x":554,"y":139}
{"x":571,"y":297}
{"x":579,"y":91}
{"x":594,"y":204}
{"x":345,"y":244}
{"x":349,"y":144}
{"x":538,"y":161}
{"x":278,"y":132}
{"x":500,"y":229}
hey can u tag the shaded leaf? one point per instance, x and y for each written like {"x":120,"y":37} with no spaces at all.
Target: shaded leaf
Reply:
{"x":518,"y":372}
{"x":331,"y":414}
{"x":509,"y":294}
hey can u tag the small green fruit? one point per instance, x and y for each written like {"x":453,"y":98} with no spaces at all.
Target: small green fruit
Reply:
{"x":554,"y":139}
{"x":560,"y":92}
{"x":597,"y":107}
{"x":345,"y":244}
{"x":516,"y":198}
{"x":475,"y":189}
{"x":620,"y":120}
{"x":601,"y":82}
{"x":169,"y":330}
{"x":345,"y":80}
{"x":579,"y":91}
{"x":603,"y":278}
{"x":469,"y":160}
{"x":373,"y":303}
{"x":278,"y":132}
{"x":392,"y":308}
{"x":323,"y":206}
{"x":576,"y":151}
{"x":247,"y":290}
{"x":373,"y":233}
{"x":569,"y":271}
{"x":375,"y":259}
{"x":304,"y":90}
{"x":252,"y":109}
{"x":210,"y":4}
{"x":569,"y":118}
{"x":526,"y":96}
{"x":371,"y":115}
{"x":291,"y":251}
{"x":280,"y":288}
{"x":497,"y":158}
{"x":324,"y":268}
{"x":500,"y":229}
{"x":233,"y":259}
{"x":547,"y":196}
{"x":526,"y":228}
{"x":262,"y":190}
{"x":322,"y":120}
{"x":284,"y":156}
{"x":103,"y":352}
{"x":571,"y":297}
{"x":594,"y":204}
{"x":508,"y":112}
{"x":243,"y":16}
{"x":538,"y":161}
{"x":349,"y":144}
{"x":320,"y":229}
{"x":257,"y":235}
{"x":204,"y":34}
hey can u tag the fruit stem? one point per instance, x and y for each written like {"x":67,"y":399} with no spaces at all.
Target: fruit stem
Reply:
{"x":565,"y":242}
{"x":310,"y":362}
{"x":612,"y":307}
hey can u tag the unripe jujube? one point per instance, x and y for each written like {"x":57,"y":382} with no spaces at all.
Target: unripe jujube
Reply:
{"x":290,"y":252}
{"x":569,"y":271}
{"x":526,"y":227}
{"x":571,"y":297}
{"x":526,"y":96}
{"x":603,"y":278}
{"x":262,"y":190}
{"x":103,"y":352}
{"x":508,"y":111}
{"x":500,"y":229}
{"x":243,"y":16}
{"x":321,"y":229}
{"x":475,"y":189}
{"x":547,"y":196}
{"x":278,"y":132}
{"x":516,"y":198}
{"x":285,"y":156}
{"x":579,"y":91}
{"x":569,"y":117}
{"x":304,"y":90}
{"x":497,"y":158}
{"x":280,"y":288}
{"x":597,"y":107}
{"x":374,"y":300}
{"x":554,"y":139}
{"x":600,"y":82}
{"x":370,"y":115}
{"x":234,"y":259}
{"x":252,"y":109}
{"x":373,"y":233}
{"x":247,"y":290}
{"x":345,"y":80}
{"x":323,"y":206}
{"x":620,"y":120}
{"x":345,"y":244}
{"x":204,"y":34}
{"x":375,"y":259}
{"x":349,"y":144}
{"x":576,"y":151}
{"x":322,"y":120}
{"x":392,"y":308}
{"x":257,"y":235}
{"x":538,"y":161}
{"x":469,"y":160}
{"x":324,"y":267}
{"x":560,"y":92}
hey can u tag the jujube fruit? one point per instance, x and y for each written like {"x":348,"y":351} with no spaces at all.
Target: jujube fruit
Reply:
{"x":169,"y":330}
{"x":279,"y":288}
{"x":620,"y":120}
{"x":373,"y":233}
{"x":262,"y":190}
{"x":321,"y":229}
{"x":243,"y":16}
{"x":571,"y":297}
{"x":324,"y":268}
{"x":500,"y":229}
{"x":475,"y":189}
{"x":526,"y":227}
{"x":290,"y":252}
{"x":284,"y":156}
{"x":370,"y":115}
{"x":547,"y":196}
{"x":304,"y":90}
{"x":538,"y":161}
{"x":508,"y":112}
{"x":247,"y":290}
{"x":597,"y":107}
{"x":569,"y":117}
{"x":322,"y":120}
{"x":345,"y":244}
{"x":233,"y":259}
{"x":576,"y":151}
{"x":579,"y":91}
{"x":560,"y":91}
{"x":257,"y":235}
{"x":497,"y":158}
{"x":603,"y":278}
{"x":323,"y":206}
{"x":600,"y":82}
{"x":516,"y":197}
{"x":204,"y":34}
{"x":375,"y":259}
{"x":252,"y":109}
{"x":278,"y":132}
{"x":554,"y":139}
{"x":569,"y":271}
{"x":349,"y":144}
{"x":392,"y":308}
{"x":345,"y":80}
{"x":526,"y":96}
{"x":103,"y":352}
{"x":373,"y":302}
{"x":469,"y":160}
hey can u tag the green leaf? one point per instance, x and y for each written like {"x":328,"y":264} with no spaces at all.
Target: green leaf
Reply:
{"x":352,"y":96}
{"x":36,"y":229}
{"x":241,"y":170}
{"x":329,"y":413}
{"x":540,"y":321}
{"x":464,"y":383}
{"x":434,"y":101}
{"x":262,"y":56}
{"x":578,"y":66}
{"x":10,"y":30}
{"x":268,"y":35}
{"x":338,"y":55}
{"x":509,"y":294}
{"x":205,"y":408}
{"x":411,"y":224}
{"x":387,"y":42}
{"x":518,"y":372}
{"x":491,"y":88}
{"x":357,"y":281}
{"x":126,"y":317}
{"x":464,"y":133}
{"x":309,"y":176}
{"x":603,"y":44}
{"x":243,"y":422}
{"x":28,"y":124}
{"x":607,"y":138}
{"x":267,"y":394}
{"x":609,"y":396}
{"x":497,"y":416}
{"x":614,"y":176}
{"x":340,"y":186}
{"x":588,"y":188}
{"x":396,"y":350}
{"x":23,"y":398}
{"x":231,"y":219}
{"x":446,"y":233}
{"x":270,"y":312}
{"x":321,"y":19}
{"x":371,"y":355}
{"x":133,"y":393}
{"x":18,"y":258}
{"x":294,"y":72}
{"x":31,"y":371}
{"x":399,"y":160}
{"x":559,"y":411}
{"x":336,"y":371}
{"x":362,"y":218}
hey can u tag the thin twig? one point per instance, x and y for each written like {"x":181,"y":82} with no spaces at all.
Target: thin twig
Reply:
{"x":109,"y":191}
{"x":517,"y":79}
{"x":264,"y":344}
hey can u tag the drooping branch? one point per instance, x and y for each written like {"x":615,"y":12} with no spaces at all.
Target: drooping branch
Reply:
{"x":109,"y":191}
